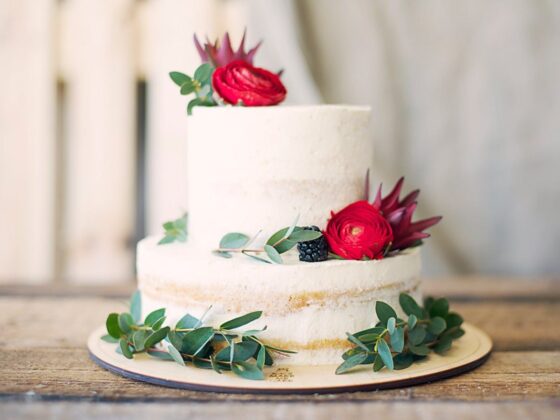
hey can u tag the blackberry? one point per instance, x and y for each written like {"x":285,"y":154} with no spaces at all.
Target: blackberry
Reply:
{"x":315,"y":250}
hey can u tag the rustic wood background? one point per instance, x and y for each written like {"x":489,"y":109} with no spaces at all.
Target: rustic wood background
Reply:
{"x":45,"y":371}
{"x":76,"y":77}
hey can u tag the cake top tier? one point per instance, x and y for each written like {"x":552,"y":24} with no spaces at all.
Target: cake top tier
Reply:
{"x":258,"y":168}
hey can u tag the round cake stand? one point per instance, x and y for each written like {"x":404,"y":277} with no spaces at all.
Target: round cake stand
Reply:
{"x":467,"y":353}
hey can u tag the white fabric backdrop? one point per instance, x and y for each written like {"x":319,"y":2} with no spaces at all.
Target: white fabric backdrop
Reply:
{"x":466,"y":105}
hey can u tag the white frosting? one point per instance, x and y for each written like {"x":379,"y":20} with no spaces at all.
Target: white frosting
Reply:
{"x":259,"y":167}
{"x":302,"y":302}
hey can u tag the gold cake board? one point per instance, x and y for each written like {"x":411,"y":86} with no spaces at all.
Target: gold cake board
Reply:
{"x":467,"y":353}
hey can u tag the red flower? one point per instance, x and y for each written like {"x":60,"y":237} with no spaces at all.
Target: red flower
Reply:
{"x":358,"y":231}
{"x":240,"y":82}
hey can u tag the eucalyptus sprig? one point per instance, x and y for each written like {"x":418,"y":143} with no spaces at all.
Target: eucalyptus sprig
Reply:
{"x":223,"y":348}
{"x":396,"y":343}
{"x":200,"y":84}
{"x":175,"y":230}
{"x":277,"y":244}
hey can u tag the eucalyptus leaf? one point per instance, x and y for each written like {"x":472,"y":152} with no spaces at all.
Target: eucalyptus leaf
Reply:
{"x":374,"y":330}
{"x":384,"y":312}
{"x":412,"y":320}
{"x":167,"y":239}
{"x":195,"y":340}
{"x":304,"y":235}
{"x":443,"y":345}
{"x":417,"y":335}
{"x":156,"y":337}
{"x":139,"y":339}
{"x":351,"y":362}
{"x":277,"y":236}
{"x":241,"y":352}
{"x":174,"y":353}
{"x":188,"y":88}
{"x":273,"y":254}
{"x":391,"y":325}
{"x":357,"y":342}
{"x":409,"y":305}
{"x":157,"y":325}
{"x":261,"y":357}
{"x":234,"y":240}
{"x":222,"y":254}
{"x":454,"y":333}
{"x":202,"y":364}
{"x":109,"y":339}
{"x":453,"y":320}
{"x":125,"y":348}
{"x":240,"y":321}
{"x":292,"y":227}
{"x":385,"y":354}
{"x":159,"y":354}
{"x":397,"y":339}
{"x":179,"y":78}
{"x":204,"y":73}
{"x":437,"y":325}
{"x":247,"y":371}
{"x":420,"y":350}
{"x":187,"y":321}
{"x":403,"y":361}
{"x":154,"y":316}
{"x":440,"y":308}
{"x":378,"y":363}
{"x":136,"y":306}
{"x":112,"y":325}
{"x":215,"y":365}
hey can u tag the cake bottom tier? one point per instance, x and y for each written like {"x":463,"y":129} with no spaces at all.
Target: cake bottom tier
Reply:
{"x":307,"y":307}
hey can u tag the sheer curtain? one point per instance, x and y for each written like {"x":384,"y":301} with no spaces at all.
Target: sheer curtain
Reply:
{"x":466,"y":105}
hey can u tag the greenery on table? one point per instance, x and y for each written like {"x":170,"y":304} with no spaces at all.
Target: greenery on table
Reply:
{"x":223,"y":348}
{"x":396,"y":343}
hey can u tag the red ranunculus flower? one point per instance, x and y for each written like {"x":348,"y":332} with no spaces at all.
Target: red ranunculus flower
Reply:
{"x":239,"y":82}
{"x":358,"y":231}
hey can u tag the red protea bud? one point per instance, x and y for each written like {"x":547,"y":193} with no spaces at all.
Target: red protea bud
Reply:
{"x":221,"y":54}
{"x":399,"y":215}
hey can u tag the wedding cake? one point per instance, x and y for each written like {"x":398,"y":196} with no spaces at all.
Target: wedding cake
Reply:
{"x":252,"y":171}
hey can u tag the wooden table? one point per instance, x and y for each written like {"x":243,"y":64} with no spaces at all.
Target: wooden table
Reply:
{"x":45,"y":371}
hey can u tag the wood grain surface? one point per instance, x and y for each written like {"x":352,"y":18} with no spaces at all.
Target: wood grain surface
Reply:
{"x":44,"y":362}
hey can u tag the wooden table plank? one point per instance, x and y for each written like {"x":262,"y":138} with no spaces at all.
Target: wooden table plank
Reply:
{"x":43,"y":360}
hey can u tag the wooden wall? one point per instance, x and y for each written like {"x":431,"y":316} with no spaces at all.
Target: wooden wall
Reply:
{"x":92,"y":132}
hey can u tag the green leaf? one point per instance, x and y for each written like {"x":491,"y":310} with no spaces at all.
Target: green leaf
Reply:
{"x":428,"y":302}
{"x":417,"y":335}
{"x":179,"y":78}
{"x":391,"y":325}
{"x":188,"y":321}
{"x":384,"y":312}
{"x":215,"y":365}
{"x":125,"y":349}
{"x":285,"y":246}
{"x":188,"y":87}
{"x":136,"y":306}
{"x":420,"y":350}
{"x":174,"y":353}
{"x":159,"y":354}
{"x":437,"y":325}
{"x":112,"y":325}
{"x":378,"y":363}
{"x":204,"y":73}
{"x":397,"y":339}
{"x":255,"y":257}
{"x":139,"y":338}
{"x":357,"y":342}
{"x":454,"y":333}
{"x":292,"y":227}
{"x":240,"y":321}
{"x":374,"y":331}
{"x":385,"y":354}
{"x":125,"y":322}
{"x":368,"y":338}
{"x":167,"y":239}
{"x":273,"y":254}
{"x":195,"y":340}
{"x":199,"y":102}
{"x":234,"y":240}
{"x":409,"y":305}
{"x":222,"y":254}
{"x":247,"y":371}
{"x":453,"y":320}
{"x":154,"y":316}
{"x":351,"y":362}
{"x":412,"y":320}
{"x":202,"y":364}
{"x":241,"y":352}
{"x":277,"y":236}
{"x":253,"y":332}
{"x":443,"y":345}
{"x":440,"y":308}
{"x":403,"y":361}
{"x":156,"y":337}
{"x":109,"y":339}
{"x":157,"y":325}
{"x":261,"y":357}
{"x":303,"y":235}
